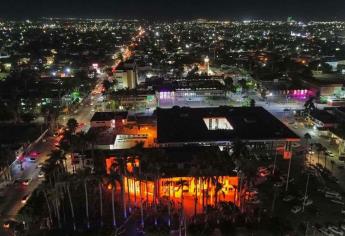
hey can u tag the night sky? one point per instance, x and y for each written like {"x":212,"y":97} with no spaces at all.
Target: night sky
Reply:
{"x":177,"y":9}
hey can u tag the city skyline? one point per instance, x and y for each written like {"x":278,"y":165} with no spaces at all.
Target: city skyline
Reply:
{"x":169,"y":10}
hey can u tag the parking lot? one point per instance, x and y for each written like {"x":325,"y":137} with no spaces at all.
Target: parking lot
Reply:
{"x":323,"y":204}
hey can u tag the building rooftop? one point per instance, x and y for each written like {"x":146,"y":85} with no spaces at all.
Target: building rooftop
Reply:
{"x":341,"y":109}
{"x":323,"y":116}
{"x":105,"y":116}
{"x":191,"y":85}
{"x":221,"y":124}
{"x":189,"y":161}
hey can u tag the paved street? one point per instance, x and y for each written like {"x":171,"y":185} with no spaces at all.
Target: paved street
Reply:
{"x":11,"y":204}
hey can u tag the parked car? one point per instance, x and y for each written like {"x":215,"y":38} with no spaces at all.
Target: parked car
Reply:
{"x":326,"y":232}
{"x":288,"y":198}
{"x":302,"y":198}
{"x":41,"y":174}
{"x":308,"y":202}
{"x":338,"y":202}
{"x":329,"y":153}
{"x":335,"y":230}
{"x":296,"y":209}
{"x":332,"y":194}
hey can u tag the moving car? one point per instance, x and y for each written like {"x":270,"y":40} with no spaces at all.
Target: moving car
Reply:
{"x":9,"y":224}
{"x":25,"y":198}
{"x":26,"y":182}
{"x":6,"y":224}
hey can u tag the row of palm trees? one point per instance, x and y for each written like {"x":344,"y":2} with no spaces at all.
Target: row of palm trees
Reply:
{"x":57,"y":189}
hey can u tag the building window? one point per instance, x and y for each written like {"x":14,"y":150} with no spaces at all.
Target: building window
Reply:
{"x":217,"y":123}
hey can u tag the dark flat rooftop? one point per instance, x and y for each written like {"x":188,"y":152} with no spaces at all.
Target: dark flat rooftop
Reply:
{"x":323,"y":116}
{"x":191,"y":85}
{"x":186,"y":125}
{"x":105,"y":116}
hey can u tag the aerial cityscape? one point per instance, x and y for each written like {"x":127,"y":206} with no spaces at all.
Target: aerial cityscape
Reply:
{"x":131,"y":125}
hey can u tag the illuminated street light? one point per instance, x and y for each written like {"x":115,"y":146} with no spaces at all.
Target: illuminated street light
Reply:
{"x":207,"y":64}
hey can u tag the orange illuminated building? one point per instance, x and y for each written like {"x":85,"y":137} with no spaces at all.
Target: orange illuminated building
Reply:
{"x":176,"y":185}
{"x":193,"y":192}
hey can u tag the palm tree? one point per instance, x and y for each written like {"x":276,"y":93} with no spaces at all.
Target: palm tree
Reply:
{"x":51,"y":169}
{"x":43,"y":188}
{"x":55,"y":196}
{"x":128,"y":190}
{"x":319,"y":149}
{"x":81,"y":141}
{"x":72,"y":125}
{"x":196,"y":180}
{"x":307,"y":138}
{"x":324,"y":155}
{"x":141,"y":198}
{"x":91,"y":139}
{"x":86,"y":204}
{"x":71,"y":205}
{"x":181,"y":183}
{"x":113,"y":204}
{"x":100,"y":202}
{"x":6,"y":157}
{"x":57,"y":156}
{"x":120,"y":178}
{"x":218,"y":187}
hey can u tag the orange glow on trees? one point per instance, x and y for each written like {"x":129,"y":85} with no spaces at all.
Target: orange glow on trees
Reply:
{"x":194,"y":193}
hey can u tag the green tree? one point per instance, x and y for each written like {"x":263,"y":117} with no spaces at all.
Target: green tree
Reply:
{"x":252,"y":103}
{"x":72,"y":125}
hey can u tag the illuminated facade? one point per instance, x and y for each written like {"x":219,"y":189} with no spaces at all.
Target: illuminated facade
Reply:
{"x":195,"y":193}
{"x":176,"y":185}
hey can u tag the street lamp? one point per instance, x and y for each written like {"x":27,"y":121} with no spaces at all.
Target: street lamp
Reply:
{"x":207,"y":64}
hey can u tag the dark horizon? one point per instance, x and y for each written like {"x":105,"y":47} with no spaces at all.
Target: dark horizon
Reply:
{"x":306,"y":10}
